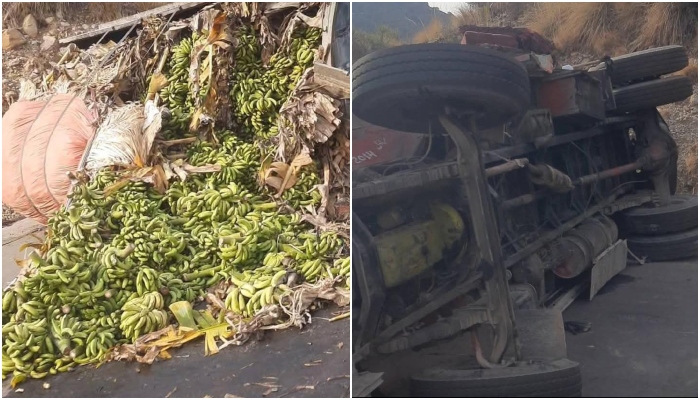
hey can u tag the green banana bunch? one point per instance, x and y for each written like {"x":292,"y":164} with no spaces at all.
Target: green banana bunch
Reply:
{"x":254,"y":290}
{"x":143,"y":315}
{"x":176,"y":95}
{"x":259,"y":91}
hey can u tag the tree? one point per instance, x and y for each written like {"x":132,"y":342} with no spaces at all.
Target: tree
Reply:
{"x":364,"y":43}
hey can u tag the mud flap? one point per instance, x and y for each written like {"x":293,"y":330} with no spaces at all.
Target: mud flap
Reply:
{"x":364,"y":383}
{"x":541,"y":334}
{"x":608,"y":264}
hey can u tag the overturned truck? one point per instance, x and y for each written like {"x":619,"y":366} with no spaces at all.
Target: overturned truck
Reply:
{"x":491,"y":188}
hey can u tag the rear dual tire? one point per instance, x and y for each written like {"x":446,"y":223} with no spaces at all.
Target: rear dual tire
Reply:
{"x":663,"y":233}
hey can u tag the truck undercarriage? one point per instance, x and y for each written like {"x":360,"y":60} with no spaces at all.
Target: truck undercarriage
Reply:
{"x":466,"y":251}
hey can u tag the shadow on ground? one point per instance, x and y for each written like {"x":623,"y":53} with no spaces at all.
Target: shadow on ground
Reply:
{"x":643,"y":340}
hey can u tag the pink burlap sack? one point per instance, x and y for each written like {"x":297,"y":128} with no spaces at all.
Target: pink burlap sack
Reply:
{"x":41,"y":142}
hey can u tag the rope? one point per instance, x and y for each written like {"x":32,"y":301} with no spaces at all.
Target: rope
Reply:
{"x":21,"y":159}
{"x":46,"y":180}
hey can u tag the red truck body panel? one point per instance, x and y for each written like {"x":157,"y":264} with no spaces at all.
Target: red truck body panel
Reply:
{"x":372,"y":145}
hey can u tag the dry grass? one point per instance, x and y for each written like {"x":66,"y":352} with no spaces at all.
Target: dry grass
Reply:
{"x":14,"y":13}
{"x":691,"y":71}
{"x":480,"y":14}
{"x":691,"y":167}
{"x":578,"y":26}
{"x":474,"y":14}
{"x":668,"y":23}
{"x":614,"y":28}
{"x":435,"y":31}
{"x":593,"y":28}
{"x":492,"y":14}
{"x":111,"y":11}
{"x":364,"y":43}
{"x":546,"y":18}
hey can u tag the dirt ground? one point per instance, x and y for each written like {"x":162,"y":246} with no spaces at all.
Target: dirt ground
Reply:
{"x":682,"y":119}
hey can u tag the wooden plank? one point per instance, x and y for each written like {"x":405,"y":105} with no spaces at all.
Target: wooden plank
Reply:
{"x":333,"y":80}
{"x":127,"y":22}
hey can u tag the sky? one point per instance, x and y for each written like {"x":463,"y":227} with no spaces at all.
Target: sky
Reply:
{"x":446,"y":6}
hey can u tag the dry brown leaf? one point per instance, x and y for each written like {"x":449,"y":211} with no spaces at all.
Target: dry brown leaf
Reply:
{"x":264,"y":166}
{"x":201,"y":169}
{"x":301,"y":160}
{"x":149,"y":357}
{"x":216,"y":28}
{"x":115,"y":187}
{"x":211,"y":100}
{"x":206,"y":66}
{"x":274,"y":181}
{"x":194,"y":124}
{"x":25,"y":246}
{"x":158,"y":82}
{"x":161,"y":180}
{"x":280,"y":176}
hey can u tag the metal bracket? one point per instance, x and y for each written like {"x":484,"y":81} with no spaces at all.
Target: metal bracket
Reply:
{"x":487,"y":241}
{"x":608,"y":264}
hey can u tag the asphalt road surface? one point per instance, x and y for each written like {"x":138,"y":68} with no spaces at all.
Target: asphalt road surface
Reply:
{"x":643,"y":340}
{"x":247,"y":371}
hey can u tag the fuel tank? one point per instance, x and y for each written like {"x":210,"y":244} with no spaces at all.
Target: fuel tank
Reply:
{"x":413,"y":248}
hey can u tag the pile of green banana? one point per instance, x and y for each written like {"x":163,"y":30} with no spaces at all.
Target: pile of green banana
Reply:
{"x":109,"y":252}
{"x":117,"y":259}
{"x":259,"y":91}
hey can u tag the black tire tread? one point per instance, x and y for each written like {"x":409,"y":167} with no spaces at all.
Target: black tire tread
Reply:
{"x":652,"y":94}
{"x":680,"y":215}
{"x":388,"y":60}
{"x":648,"y":63}
{"x":382,"y":80}
{"x":673,"y":246}
{"x":436,"y":51}
{"x":562,"y":382}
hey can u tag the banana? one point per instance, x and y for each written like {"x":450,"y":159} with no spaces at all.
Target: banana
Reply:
{"x":110,"y":256}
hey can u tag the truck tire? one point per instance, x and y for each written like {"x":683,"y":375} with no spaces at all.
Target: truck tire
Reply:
{"x":558,"y":378}
{"x":649,"y":63}
{"x":673,"y":246}
{"x":404,"y":88}
{"x":646,"y":95}
{"x":677,"y":216}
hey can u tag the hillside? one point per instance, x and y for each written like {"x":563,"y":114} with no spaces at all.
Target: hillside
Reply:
{"x":406,"y":19}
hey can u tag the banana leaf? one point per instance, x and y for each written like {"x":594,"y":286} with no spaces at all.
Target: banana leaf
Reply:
{"x":184,"y":314}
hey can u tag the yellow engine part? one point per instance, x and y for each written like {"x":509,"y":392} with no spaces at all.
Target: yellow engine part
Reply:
{"x":412,"y":249}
